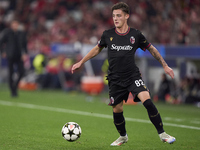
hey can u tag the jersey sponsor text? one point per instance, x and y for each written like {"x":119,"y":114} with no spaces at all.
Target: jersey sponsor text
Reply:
{"x":119,"y":48}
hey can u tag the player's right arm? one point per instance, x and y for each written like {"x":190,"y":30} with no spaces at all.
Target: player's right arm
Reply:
{"x":154,"y":52}
{"x":95,"y":51}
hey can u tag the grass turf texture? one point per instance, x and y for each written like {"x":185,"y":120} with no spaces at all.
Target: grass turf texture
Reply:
{"x":23,"y":128}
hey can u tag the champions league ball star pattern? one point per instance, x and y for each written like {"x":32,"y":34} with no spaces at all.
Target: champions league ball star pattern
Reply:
{"x":71,"y":131}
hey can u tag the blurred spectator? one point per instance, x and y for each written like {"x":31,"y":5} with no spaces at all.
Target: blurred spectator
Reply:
{"x":189,"y":90}
{"x":67,"y":21}
{"x":104,"y":69}
{"x":51,"y":78}
{"x":13,"y":46}
{"x":39,"y":63}
{"x":164,"y":88}
{"x":57,"y":73}
{"x":65,"y":74}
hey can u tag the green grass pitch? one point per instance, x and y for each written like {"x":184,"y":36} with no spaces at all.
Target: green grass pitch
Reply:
{"x":33,"y":121}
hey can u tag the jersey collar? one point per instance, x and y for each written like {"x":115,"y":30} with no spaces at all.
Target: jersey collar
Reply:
{"x":122,"y":34}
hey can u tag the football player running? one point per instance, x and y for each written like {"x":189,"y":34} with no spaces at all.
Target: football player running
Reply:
{"x":123,"y":74}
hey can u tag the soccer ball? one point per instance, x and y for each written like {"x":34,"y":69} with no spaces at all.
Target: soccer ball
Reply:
{"x":71,"y":131}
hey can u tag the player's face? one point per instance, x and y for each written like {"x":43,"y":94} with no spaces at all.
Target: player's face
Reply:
{"x":14,"y":25}
{"x":119,"y":18}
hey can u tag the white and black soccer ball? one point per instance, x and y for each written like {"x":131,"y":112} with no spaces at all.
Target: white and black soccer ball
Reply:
{"x":71,"y":131}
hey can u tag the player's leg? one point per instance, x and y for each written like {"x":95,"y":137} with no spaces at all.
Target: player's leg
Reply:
{"x":20,"y":71}
{"x":119,"y":122}
{"x":117,"y":94}
{"x":153,"y":113}
{"x":10,"y":77}
{"x":154,"y":116}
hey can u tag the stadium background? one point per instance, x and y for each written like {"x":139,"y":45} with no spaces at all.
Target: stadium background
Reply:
{"x":67,"y":29}
{"x":64,"y":30}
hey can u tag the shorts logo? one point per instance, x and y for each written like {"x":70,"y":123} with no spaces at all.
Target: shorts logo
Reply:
{"x":99,"y":41}
{"x":132,"y":39}
{"x":112,"y":100}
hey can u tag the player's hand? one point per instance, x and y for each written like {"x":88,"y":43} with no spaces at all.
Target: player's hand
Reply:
{"x":76,"y":66}
{"x":169,"y":71}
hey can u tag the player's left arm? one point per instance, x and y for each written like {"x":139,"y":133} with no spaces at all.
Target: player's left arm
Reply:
{"x":154,"y":52}
{"x":92,"y":53}
{"x":3,"y":39}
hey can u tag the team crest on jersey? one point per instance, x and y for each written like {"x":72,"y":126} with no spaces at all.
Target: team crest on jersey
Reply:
{"x":111,"y":38}
{"x":112,"y":100}
{"x":132,"y":39}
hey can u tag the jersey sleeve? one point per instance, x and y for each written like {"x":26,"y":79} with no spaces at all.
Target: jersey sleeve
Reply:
{"x":102,"y":41}
{"x":143,"y":43}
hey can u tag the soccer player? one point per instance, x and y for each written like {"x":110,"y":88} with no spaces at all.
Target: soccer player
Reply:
{"x":13,"y":45}
{"x":123,"y":74}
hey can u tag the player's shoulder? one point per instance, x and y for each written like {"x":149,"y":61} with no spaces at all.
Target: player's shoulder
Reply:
{"x":135,"y":30}
{"x":6,"y":30}
{"x":109,"y":31}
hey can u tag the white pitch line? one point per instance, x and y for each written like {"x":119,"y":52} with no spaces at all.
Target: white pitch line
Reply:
{"x":33,"y":106}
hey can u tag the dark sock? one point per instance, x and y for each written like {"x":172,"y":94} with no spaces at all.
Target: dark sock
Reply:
{"x":154,"y":115}
{"x":119,"y":122}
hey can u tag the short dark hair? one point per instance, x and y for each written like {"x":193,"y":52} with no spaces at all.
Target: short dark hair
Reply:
{"x":121,"y":5}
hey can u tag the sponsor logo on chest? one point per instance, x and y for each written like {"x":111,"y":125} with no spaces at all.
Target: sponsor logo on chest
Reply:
{"x":121,"y":48}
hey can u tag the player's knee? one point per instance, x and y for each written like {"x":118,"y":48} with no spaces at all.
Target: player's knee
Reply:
{"x":118,"y":108}
{"x":151,"y":108}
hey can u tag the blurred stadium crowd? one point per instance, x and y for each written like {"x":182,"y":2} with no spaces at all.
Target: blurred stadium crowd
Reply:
{"x":68,"y":21}
{"x":169,"y":22}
